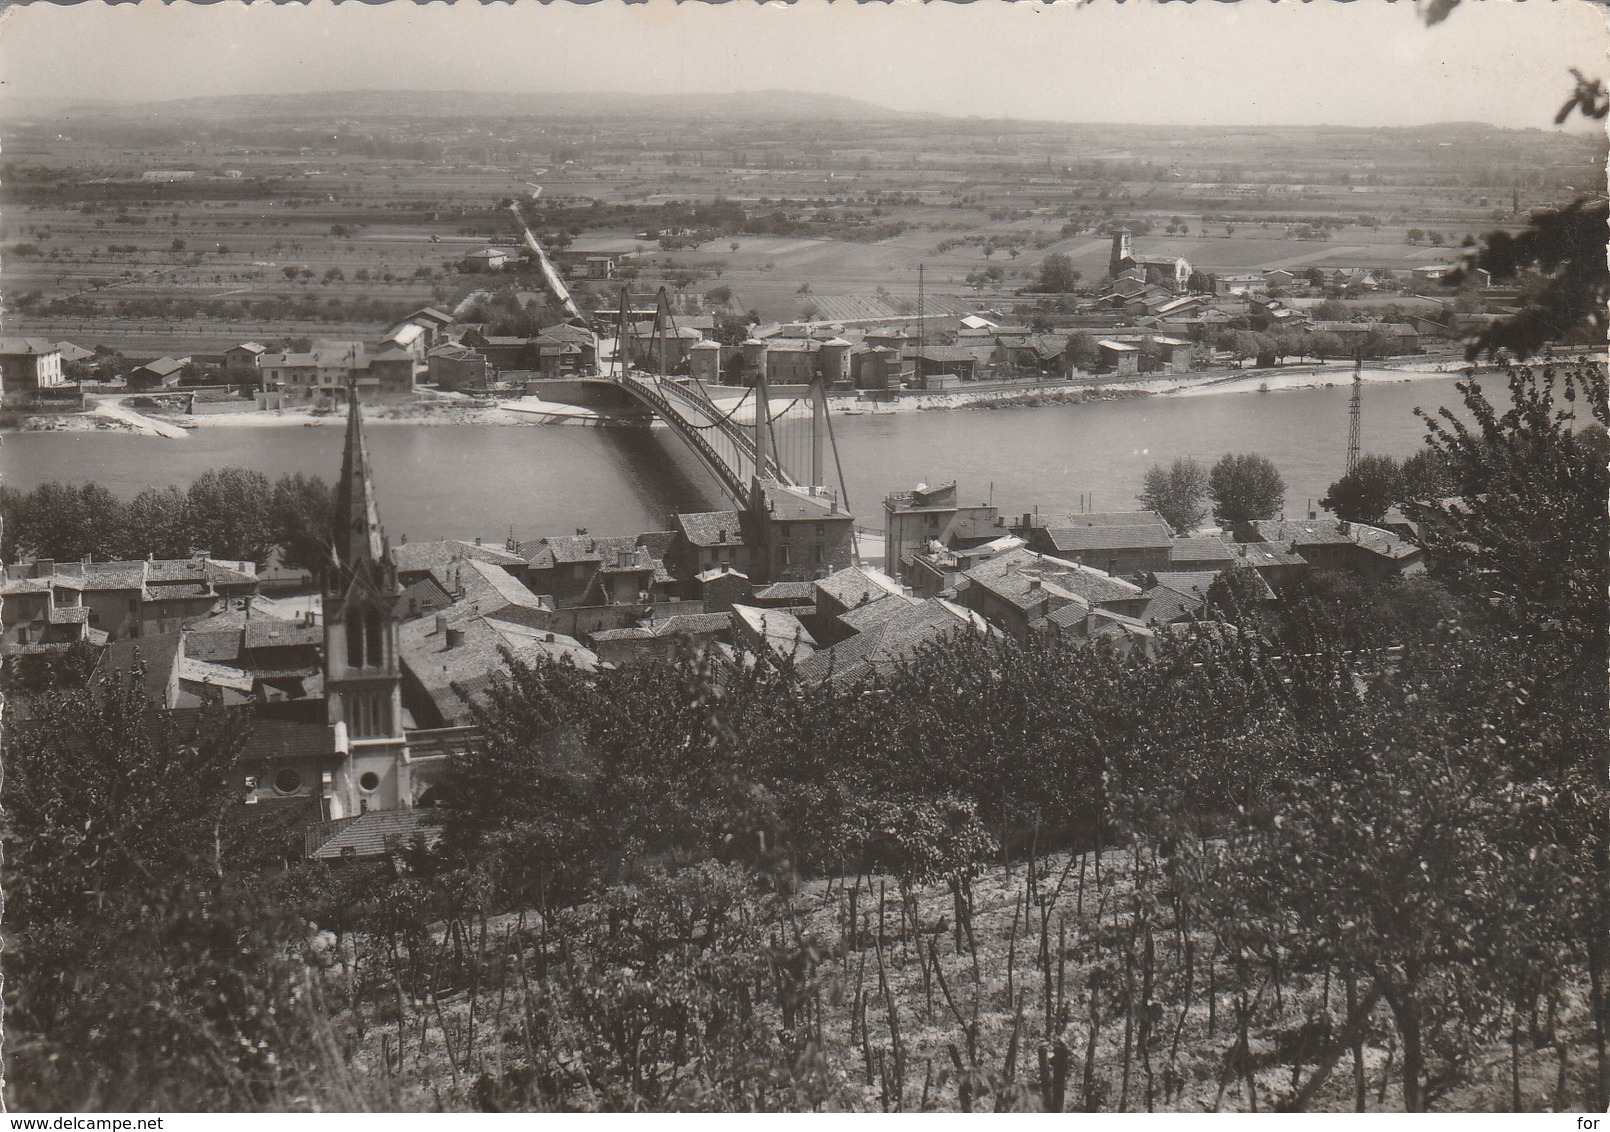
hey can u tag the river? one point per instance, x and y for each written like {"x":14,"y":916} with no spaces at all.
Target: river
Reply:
{"x":463,"y":481}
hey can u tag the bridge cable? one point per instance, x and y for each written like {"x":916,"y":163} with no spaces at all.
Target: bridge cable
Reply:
{"x":844,"y":494}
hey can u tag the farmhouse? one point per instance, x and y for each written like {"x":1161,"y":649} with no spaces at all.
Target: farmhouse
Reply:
{"x":28,"y":365}
{"x":487,"y":259}
{"x":246,"y":356}
{"x":160,"y":374}
{"x":458,"y":368}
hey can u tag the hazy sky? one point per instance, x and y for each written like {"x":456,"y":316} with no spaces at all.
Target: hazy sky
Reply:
{"x":1363,"y":63}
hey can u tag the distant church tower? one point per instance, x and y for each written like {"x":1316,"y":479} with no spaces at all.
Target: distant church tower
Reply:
{"x":362,"y":668}
{"x":1122,"y":248}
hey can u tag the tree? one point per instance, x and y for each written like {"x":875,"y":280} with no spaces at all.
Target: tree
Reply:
{"x":1366,"y":493}
{"x":159,"y":523}
{"x":177,"y":245}
{"x":1528,"y":521}
{"x":229,"y":513}
{"x":1426,"y":475}
{"x":301,"y":514}
{"x":1080,"y":352}
{"x":1244,"y":488}
{"x":1176,"y":493}
{"x":119,"y":833}
{"x":1057,"y":274}
{"x":1326,"y":345}
{"x":64,"y":522}
{"x":1570,"y":303}
{"x":719,"y":296}
{"x":1414,"y":236}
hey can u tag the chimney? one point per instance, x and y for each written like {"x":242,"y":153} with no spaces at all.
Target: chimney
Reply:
{"x":455,"y":637}
{"x":477,"y":540}
{"x":441,"y":623}
{"x":548,"y":637}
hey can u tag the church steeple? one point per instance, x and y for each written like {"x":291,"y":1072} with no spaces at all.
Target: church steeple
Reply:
{"x":358,"y":542}
{"x":362,"y":652}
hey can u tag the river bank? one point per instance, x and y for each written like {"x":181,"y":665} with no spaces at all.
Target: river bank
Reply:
{"x":114,"y":413}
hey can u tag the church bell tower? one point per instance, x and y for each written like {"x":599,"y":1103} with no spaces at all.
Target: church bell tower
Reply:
{"x":1123,"y":248}
{"x":362,"y":667}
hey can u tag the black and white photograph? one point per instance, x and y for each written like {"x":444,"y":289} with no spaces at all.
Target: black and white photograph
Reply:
{"x":805,"y":558}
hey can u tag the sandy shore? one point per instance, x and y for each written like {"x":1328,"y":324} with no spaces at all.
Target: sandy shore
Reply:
{"x":112,"y":413}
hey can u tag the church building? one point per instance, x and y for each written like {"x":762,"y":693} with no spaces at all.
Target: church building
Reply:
{"x":1169,"y":271}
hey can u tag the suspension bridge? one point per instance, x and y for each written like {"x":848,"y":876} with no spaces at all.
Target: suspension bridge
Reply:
{"x":745,"y":444}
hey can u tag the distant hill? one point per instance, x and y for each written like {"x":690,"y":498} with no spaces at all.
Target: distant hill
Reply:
{"x":767,"y":105}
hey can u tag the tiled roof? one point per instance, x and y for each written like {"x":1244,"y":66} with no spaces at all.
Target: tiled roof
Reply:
{"x":1313,"y":532}
{"x":69,"y":615}
{"x":787,"y":593}
{"x":451,"y":676}
{"x":903,"y":627}
{"x":1167,"y":605}
{"x":271,"y":740}
{"x":946,"y":354}
{"x":198,"y":671}
{"x":1085,"y":537}
{"x":1384,"y":543}
{"x":25,"y":586}
{"x":411,"y":557}
{"x":1099,"y":519}
{"x":212,"y":644}
{"x":1200,"y":550}
{"x":877,"y":612}
{"x":123,"y":578}
{"x":422,"y":597}
{"x":1267,"y":554}
{"x":1012,"y":576}
{"x":163,"y":366}
{"x":175,"y":570}
{"x":378,"y":833}
{"x":173,"y":591}
{"x":781,"y":632}
{"x":854,"y":585}
{"x":1186,"y":581}
{"x":711,"y":528}
{"x":270,"y":633}
{"x":694,"y":624}
{"x":15,"y":346}
{"x":656,"y":542}
{"x":561,"y":550}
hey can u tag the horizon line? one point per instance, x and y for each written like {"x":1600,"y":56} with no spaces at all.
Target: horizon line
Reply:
{"x":933,"y":114}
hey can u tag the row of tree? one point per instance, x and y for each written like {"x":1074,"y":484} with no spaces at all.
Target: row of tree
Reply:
{"x":1242,"y":488}
{"x":231,"y":513}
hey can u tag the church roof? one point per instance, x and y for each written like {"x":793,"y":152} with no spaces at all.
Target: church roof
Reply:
{"x":358,"y":541}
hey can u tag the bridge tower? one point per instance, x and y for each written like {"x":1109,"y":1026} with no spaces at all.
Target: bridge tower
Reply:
{"x":762,"y":425}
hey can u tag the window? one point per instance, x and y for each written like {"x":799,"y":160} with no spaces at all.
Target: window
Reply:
{"x":288,"y":781}
{"x":816,"y":554}
{"x":376,"y":655}
{"x":782,"y":555}
{"x":821,"y":529}
{"x":355,"y":641}
{"x":369,"y":780}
